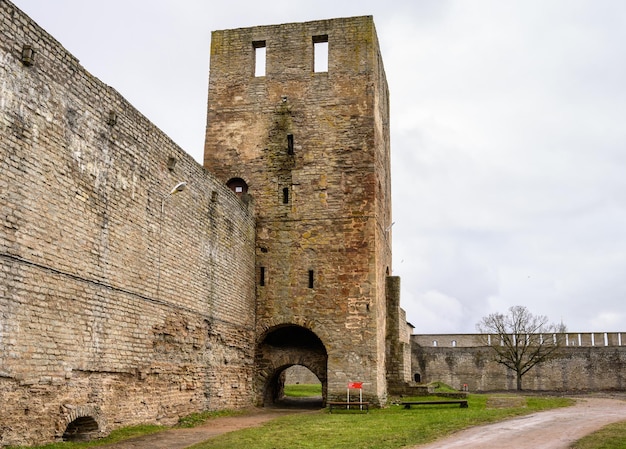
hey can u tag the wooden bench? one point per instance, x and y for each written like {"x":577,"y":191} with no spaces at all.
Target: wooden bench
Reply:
{"x":347,"y":405}
{"x":461,"y":402}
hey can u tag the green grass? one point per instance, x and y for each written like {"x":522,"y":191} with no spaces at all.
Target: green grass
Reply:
{"x":126,"y":433}
{"x":196,"y":419}
{"x":115,"y":437}
{"x":303,"y":390}
{"x":612,"y":436}
{"x":389,"y":428}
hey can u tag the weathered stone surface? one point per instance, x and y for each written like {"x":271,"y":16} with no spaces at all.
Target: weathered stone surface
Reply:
{"x":121,"y":303}
{"x":467,"y":361}
{"x":313,"y":150}
{"x":117,"y":301}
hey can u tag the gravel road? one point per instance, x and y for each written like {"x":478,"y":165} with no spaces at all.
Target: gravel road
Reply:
{"x":552,"y":429}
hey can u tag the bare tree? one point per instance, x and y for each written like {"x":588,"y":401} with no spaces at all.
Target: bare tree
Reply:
{"x":520,"y":340}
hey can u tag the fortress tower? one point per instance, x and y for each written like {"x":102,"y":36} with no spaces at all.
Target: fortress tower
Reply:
{"x":298,"y":123}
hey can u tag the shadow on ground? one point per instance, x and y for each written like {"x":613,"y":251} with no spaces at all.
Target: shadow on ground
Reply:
{"x":291,"y":403}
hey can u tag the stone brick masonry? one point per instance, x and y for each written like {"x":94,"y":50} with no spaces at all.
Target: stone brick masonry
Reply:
{"x":122,"y":303}
{"x":118,"y":302}
{"x":586,"y":362}
{"x":312,"y":148}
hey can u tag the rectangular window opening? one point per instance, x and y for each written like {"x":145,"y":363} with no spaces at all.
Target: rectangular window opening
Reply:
{"x":286,"y":195}
{"x":310,"y":278}
{"x":320,"y":53}
{"x":290,"y":144}
{"x":259,"y":58}
{"x":262,"y":277}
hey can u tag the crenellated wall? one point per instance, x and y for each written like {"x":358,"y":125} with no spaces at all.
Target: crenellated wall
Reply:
{"x":587,"y":339}
{"x":587,"y":362}
{"x":119,"y":303}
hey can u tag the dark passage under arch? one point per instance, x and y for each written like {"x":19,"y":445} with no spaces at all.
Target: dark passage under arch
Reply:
{"x":84,"y":428}
{"x":282,"y":348}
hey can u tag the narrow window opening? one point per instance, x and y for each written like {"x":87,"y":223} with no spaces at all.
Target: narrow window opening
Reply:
{"x":286,"y":195}
{"x":434,"y":343}
{"x":289,"y":143}
{"x":310,"y":278}
{"x":320,"y":53}
{"x":259,"y":58}
{"x":262,"y":277}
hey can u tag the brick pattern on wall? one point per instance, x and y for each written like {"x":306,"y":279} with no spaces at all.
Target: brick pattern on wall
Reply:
{"x":574,"y":368}
{"x":323,"y":207}
{"x":114,"y":296}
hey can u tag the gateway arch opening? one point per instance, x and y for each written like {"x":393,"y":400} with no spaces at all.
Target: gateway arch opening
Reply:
{"x":281,"y":348}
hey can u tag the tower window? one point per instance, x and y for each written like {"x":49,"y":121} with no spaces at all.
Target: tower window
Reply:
{"x":289,"y":143}
{"x":262,"y":277}
{"x":259,"y":57}
{"x":286,"y":195}
{"x":237,"y":185}
{"x":320,"y":53}
{"x":311,"y":278}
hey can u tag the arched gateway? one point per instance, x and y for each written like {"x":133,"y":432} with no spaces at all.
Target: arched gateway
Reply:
{"x":282,"y":347}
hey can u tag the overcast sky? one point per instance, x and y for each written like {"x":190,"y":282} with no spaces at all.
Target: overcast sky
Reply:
{"x":508,"y":134}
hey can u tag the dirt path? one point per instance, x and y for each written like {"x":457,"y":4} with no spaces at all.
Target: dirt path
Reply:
{"x":182,"y":438}
{"x":553,"y":429}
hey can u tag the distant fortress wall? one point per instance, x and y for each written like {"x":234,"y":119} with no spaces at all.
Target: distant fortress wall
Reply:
{"x":587,"y":339}
{"x":588,"y":362}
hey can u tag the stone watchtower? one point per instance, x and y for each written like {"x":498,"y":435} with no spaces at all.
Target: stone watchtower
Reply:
{"x":298,"y":123}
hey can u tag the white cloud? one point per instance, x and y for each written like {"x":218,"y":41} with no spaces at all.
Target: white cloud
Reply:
{"x":508,"y":136}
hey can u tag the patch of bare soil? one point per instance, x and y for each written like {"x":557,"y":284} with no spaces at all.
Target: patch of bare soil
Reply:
{"x":552,"y":429}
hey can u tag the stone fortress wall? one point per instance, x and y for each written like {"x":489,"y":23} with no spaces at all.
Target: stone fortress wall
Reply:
{"x":124,"y":300}
{"x":587,"y":362}
{"x":119,"y":303}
